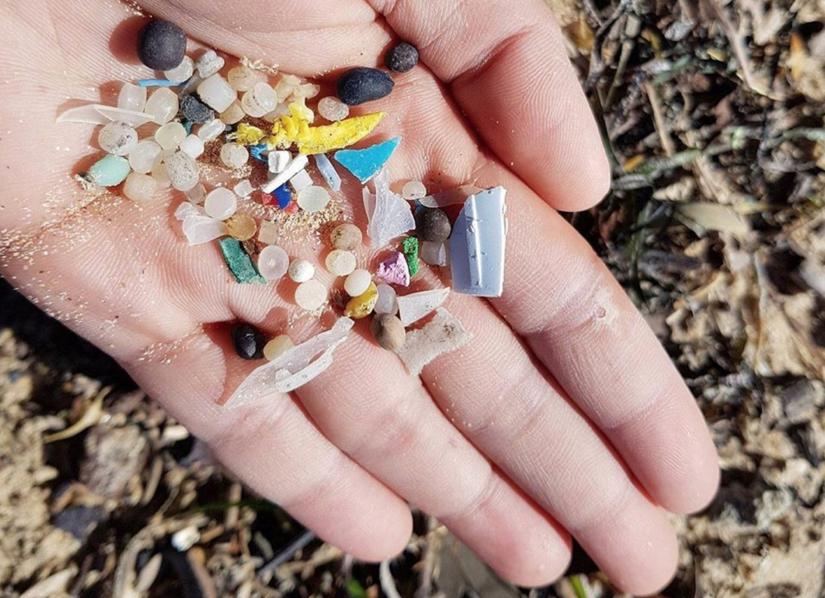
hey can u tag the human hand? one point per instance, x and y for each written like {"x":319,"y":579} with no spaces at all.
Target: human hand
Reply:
{"x":562,"y":417}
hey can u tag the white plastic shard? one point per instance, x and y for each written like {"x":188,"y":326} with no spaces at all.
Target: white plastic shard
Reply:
{"x":391,"y":215}
{"x":201,"y":229}
{"x":327,"y":170}
{"x":100,"y":114}
{"x":294,"y":368}
{"x":415,"y":306}
{"x":130,"y":117}
{"x":444,"y":333}
{"x":186,"y":208}
{"x":296,"y":165}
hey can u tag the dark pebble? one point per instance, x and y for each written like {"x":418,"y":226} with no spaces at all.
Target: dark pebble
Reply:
{"x":248,"y":340}
{"x":388,"y":331}
{"x":432,"y":225}
{"x":194,"y":110}
{"x":363,"y":84}
{"x":162,"y":45}
{"x":402,"y":58}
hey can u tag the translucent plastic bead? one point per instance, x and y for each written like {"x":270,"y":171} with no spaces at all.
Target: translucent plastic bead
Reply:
{"x":386,"y":302}
{"x":310,"y":295}
{"x":209,"y":63}
{"x":242,"y":78}
{"x":307,"y":90}
{"x":117,"y":138}
{"x":192,"y":145}
{"x":301,"y":270}
{"x":434,"y":254}
{"x":170,"y":135}
{"x":132,"y":97}
{"x":211,"y":130}
{"x":277,"y":347}
{"x":313,"y":198}
{"x":332,"y":109}
{"x":215,"y":92}
{"x":273,"y":263}
{"x":182,"y":171}
{"x":241,"y":226}
{"x":346,"y":236}
{"x":234,"y":155}
{"x":220,"y":203}
{"x":357,"y":282}
{"x":234,"y":114}
{"x":286,"y":86}
{"x":182,"y":72}
{"x":140,"y":187}
{"x":196,"y":194}
{"x":162,"y":105}
{"x":259,"y":100}
{"x":340,"y":262}
{"x":243,"y":188}
{"x":413,"y":190}
{"x":159,"y":170}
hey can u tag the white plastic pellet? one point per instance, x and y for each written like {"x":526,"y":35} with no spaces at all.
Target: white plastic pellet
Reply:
{"x":211,"y":130}
{"x":332,"y":109}
{"x":117,"y":138}
{"x":273,"y":262}
{"x":192,"y":145}
{"x":162,"y":105}
{"x":243,"y":188}
{"x":132,"y":97}
{"x":301,"y":270}
{"x":340,"y":262}
{"x":220,"y":203}
{"x":300,"y":181}
{"x":313,"y":198}
{"x":413,"y":190}
{"x":242,"y":78}
{"x":143,"y":155}
{"x":170,"y":135}
{"x":209,"y":63}
{"x":278,"y":160}
{"x":357,"y":282}
{"x":310,"y":295}
{"x":182,"y":72}
{"x":217,"y":93}
{"x":234,"y":155}
{"x":139,"y":187}
{"x":182,"y":171}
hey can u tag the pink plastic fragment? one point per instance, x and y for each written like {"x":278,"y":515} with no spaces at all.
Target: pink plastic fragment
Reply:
{"x":394,"y":270}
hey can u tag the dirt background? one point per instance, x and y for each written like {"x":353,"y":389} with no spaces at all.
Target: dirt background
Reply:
{"x":712,"y":113}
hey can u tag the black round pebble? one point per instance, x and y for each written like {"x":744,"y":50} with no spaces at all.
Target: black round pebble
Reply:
{"x":402,"y":58}
{"x":432,"y":225}
{"x":248,"y":340}
{"x":162,"y":45}
{"x":363,"y":84}
{"x":194,"y":110}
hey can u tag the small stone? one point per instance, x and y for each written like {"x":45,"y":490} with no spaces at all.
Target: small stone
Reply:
{"x":365,"y":163}
{"x":162,"y":105}
{"x":209,"y":63}
{"x":234,"y":114}
{"x":388,"y":331}
{"x":211,"y":130}
{"x":277,"y":347}
{"x":140,"y":187}
{"x":394,"y":270}
{"x":143,"y":155}
{"x":259,"y":100}
{"x":215,"y":92}
{"x":234,"y":155}
{"x":413,"y":190}
{"x":194,"y":110}
{"x":170,"y":135}
{"x":182,"y":72}
{"x":239,"y":262}
{"x":109,"y":171}
{"x":192,"y":145}
{"x":310,"y":295}
{"x":434,"y":254}
{"x":242,"y":78}
{"x":363,"y":84}
{"x":340,"y":262}
{"x":300,"y":181}
{"x":313,"y":198}
{"x":273,"y":262}
{"x":268,"y":232}
{"x":182,"y":171}
{"x":301,"y":270}
{"x":132,"y":97}
{"x":433,"y":225}
{"x":387,"y":300}
{"x":220,"y":203}
{"x":241,"y":226}
{"x":346,"y":236}
{"x":161,"y":45}
{"x":409,"y":247}
{"x":332,"y":109}
{"x":277,"y":160}
{"x":243,"y":188}
{"x":248,"y":340}
{"x":402,"y":58}
{"x":361,"y":306}
{"x":117,"y":138}
{"x":357,"y":282}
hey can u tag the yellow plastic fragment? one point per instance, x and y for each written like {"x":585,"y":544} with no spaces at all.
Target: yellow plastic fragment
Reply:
{"x":361,"y":306}
{"x":246,"y":134}
{"x":294,"y":129}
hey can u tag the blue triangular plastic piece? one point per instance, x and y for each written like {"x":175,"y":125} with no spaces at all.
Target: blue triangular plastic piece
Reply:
{"x":366,"y":163}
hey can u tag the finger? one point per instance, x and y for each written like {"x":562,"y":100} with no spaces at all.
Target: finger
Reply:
{"x":578,"y":321}
{"x":508,"y":69}
{"x":390,"y":426}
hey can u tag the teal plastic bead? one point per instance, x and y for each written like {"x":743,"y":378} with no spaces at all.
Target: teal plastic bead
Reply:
{"x":109,"y":171}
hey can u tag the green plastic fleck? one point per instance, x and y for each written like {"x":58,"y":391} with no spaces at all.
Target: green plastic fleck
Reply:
{"x":109,"y":171}
{"x":410,"y":250}
{"x":239,"y":261}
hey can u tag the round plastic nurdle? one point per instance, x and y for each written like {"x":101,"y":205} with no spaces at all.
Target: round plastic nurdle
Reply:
{"x":220,"y":203}
{"x":132,"y":97}
{"x":242,"y":78}
{"x":248,"y":341}
{"x":310,"y":295}
{"x":313,"y":198}
{"x":346,"y":236}
{"x":170,"y":135}
{"x":387,"y":300}
{"x":357,"y":282}
{"x":182,"y":72}
{"x":363,"y":84}
{"x":216,"y":93}
{"x":182,"y":171}
{"x":259,"y":100}
{"x":388,"y":331}
{"x":413,"y":190}
{"x":162,"y":45}
{"x":143,"y":156}
{"x":402,"y":58}
{"x":211,"y":130}
{"x":277,"y":347}
{"x":273,"y":262}
{"x":340,"y":262}
{"x":117,"y":138}
{"x":301,"y":270}
{"x":241,"y":226}
{"x":162,"y":105}
{"x":332,"y":109}
{"x":139,"y":187}
{"x":234,"y":155}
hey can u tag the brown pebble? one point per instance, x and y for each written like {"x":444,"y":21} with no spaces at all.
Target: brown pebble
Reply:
{"x":388,"y":331}
{"x":433,"y":225}
{"x":346,"y":236}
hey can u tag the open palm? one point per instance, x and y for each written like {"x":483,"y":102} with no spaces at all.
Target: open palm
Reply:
{"x":563,"y":417}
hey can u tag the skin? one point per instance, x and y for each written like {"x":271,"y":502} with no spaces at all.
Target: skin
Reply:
{"x":562,"y":418}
